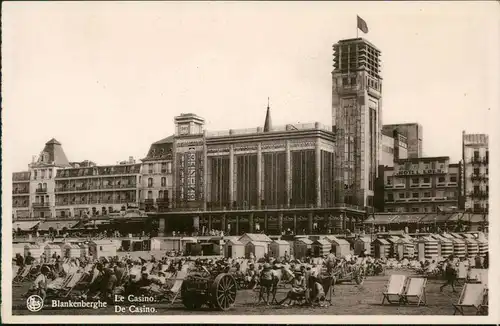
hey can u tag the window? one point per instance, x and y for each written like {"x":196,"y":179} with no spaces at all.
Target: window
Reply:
{"x":160,"y":194}
{"x":426,"y":166}
{"x":150,"y":194}
{"x":427,"y":194}
{"x":390,"y":197}
{"x":441,"y":179}
{"x":487,"y":171}
{"x":36,"y":175}
{"x":476,"y":155}
{"x":476,"y":189}
{"x":414,"y":209}
{"x":477,"y":206}
{"x":476,"y":171}
{"x":389,"y":180}
{"x":453,"y":178}
{"x":414,"y":195}
{"x":414,"y":180}
{"x":353,"y":81}
{"x":401,"y":195}
{"x":163,"y":167}
{"x":163,"y":182}
{"x":150,"y":168}
{"x":40,"y":187}
{"x":427,"y":180}
{"x":169,"y":167}
{"x":50,"y":174}
{"x":345,"y":81}
{"x":42,"y":173}
{"x":150,"y":182}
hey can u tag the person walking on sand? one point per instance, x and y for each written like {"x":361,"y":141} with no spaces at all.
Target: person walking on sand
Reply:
{"x":450,"y":275}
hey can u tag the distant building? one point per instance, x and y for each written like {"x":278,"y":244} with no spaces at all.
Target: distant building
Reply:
{"x":475,"y":176}
{"x":394,"y":147}
{"x":413,"y":133}
{"x":426,"y":184}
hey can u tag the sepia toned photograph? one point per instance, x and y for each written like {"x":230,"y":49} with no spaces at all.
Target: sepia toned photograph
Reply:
{"x":288,"y":160}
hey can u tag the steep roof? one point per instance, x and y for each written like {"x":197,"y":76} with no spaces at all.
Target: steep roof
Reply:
{"x":53,"y":153}
{"x":256,"y":237}
{"x":161,"y":149}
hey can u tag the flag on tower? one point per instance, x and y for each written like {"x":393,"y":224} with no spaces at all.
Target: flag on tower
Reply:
{"x":362,"y":25}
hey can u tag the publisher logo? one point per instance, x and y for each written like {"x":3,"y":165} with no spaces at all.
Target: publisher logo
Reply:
{"x":34,"y":303}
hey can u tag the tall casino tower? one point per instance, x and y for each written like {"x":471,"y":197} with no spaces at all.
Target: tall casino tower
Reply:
{"x":357,"y":120}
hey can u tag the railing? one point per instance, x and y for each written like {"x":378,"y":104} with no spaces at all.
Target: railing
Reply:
{"x":96,"y":187}
{"x":475,"y":159}
{"x":40,"y":205}
{"x":475,"y":177}
{"x":41,"y":191}
{"x":288,"y":127}
{"x":20,"y":191}
{"x":479,"y":194}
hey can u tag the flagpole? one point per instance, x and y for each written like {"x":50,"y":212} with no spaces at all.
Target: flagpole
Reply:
{"x":357,"y":28}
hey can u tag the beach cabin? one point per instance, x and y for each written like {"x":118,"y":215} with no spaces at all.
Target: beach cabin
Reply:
{"x":321,"y":247}
{"x":278,"y":248}
{"x":34,"y":250}
{"x":472,"y":247}
{"x":18,"y":248}
{"x":102,"y":248}
{"x":361,"y":244}
{"x":255,"y":237}
{"x":459,"y":247}
{"x":302,"y":248}
{"x":404,"y":248}
{"x":70,"y":250}
{"x":340,"y":247}
{"x":445,"y":244}
{"x":151,"y":244}
{"x":483,"y":244}
{"x":381,"y":248}
{"x":51,"y":249}
{"x":427,"y":248}
{"x":193,"y":249}
{"x":259,"y":249}
{"x":233,"y":248}
{"x":84,"y":249}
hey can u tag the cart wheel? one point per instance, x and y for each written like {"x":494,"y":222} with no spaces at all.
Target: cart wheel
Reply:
{"x":223,"y":292}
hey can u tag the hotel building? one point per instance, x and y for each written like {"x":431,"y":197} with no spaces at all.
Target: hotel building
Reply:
{"x":426,"y":184}
{"x":475,"y":176}
{"x":90,"y":190}
{"x":21,"y":194}
{"x":356,"y":120}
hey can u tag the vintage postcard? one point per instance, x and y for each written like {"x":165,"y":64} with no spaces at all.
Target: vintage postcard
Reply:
{"x":250,"y":162}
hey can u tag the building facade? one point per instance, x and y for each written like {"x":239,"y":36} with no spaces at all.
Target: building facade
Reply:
{"x":427,"y":184}
{"x":21,"y":194}
{"x":475,"y":176}
{"x":96,"y":190}
{"x":413,"y":133}
{"x":357,"y":120}
{"x":156,"y":191}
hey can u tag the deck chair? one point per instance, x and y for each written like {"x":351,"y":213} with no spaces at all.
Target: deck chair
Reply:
{"x":415,"y":290}
{"x":395,"y":288}
{"x":23,"y":274}
{"x":472,"y":296}
{"x":174,"y":291}
{"x":15,"y":270}
{"x":77,"y":277}
{"x":484,"y":306}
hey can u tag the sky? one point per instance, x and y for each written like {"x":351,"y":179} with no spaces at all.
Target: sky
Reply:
{"x":107,"y":79}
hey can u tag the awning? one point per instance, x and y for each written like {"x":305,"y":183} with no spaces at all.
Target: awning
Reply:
{"x":435,"y":218}
{"x":59,"y":225}
{"x":381,"y":219}
{"x":24,"y":225}
{"x":474,"y":218}
{"x":407,"y":218}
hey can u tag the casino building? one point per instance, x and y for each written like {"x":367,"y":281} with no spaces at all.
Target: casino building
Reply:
{"x":270,"y":178}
